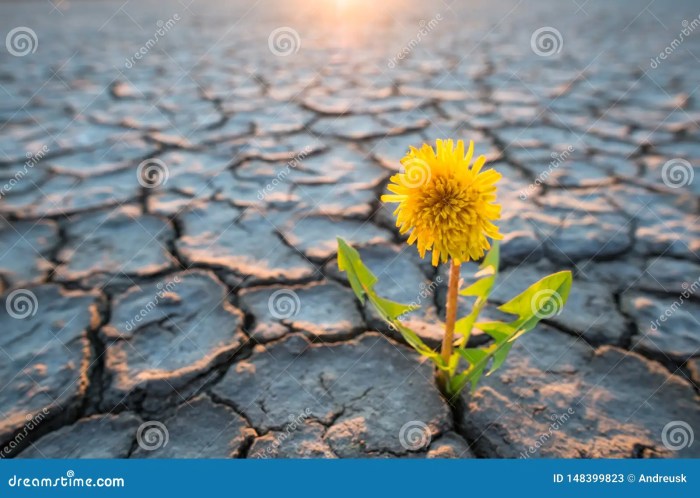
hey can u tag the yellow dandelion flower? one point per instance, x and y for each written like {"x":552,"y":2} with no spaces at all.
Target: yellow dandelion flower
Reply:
{"x":445,"y":202}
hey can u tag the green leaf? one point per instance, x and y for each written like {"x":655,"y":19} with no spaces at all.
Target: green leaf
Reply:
{"x":465,"y":324}
{"x":454,"y":361}
{"x":478,"y":359}
{"x":488,"y":269}
{"x":391,"y":310}
{"x":543,"y":299}
{"x":500,"y":355}
{"x":473,"y":355}
{"x":417,"y":343}
{"x":478,"y":288}
{"x":502,"y":333}
{"x":493,"y":258}
{"x":359,"y":276}
{"x":362,"y":281}
{"x":499,"y":331}
{"x":457,"y":383}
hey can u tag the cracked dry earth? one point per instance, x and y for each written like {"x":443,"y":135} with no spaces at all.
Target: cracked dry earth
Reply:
{"x":201,"y":258}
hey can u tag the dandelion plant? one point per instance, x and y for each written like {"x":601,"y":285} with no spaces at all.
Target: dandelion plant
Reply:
{"x":447,"y":207}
